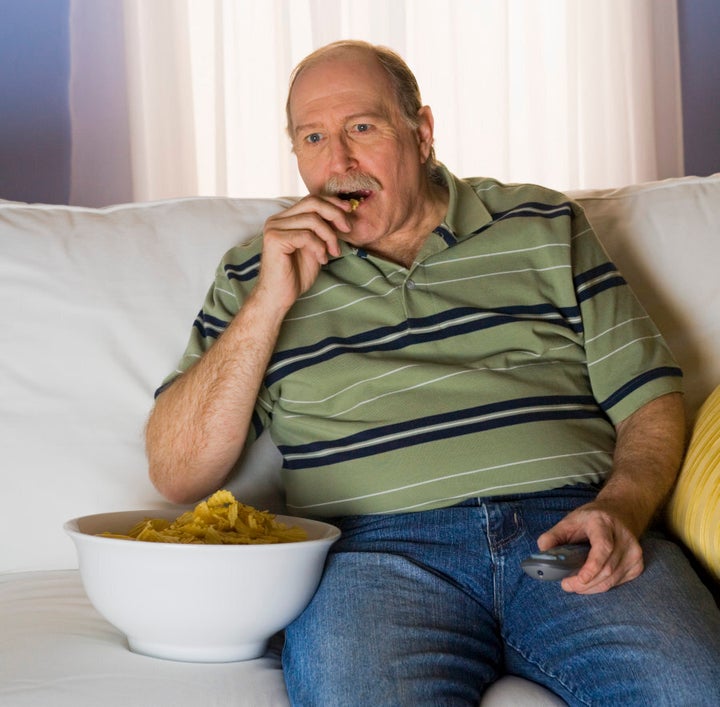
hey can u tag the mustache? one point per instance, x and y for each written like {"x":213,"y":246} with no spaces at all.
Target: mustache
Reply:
{"x":358,"y":181}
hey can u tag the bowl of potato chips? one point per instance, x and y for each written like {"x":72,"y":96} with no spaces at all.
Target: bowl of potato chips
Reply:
{"x":213,"y":584}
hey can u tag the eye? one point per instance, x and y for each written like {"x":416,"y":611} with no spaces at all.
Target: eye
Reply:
{"x":313,"y":138}
{"x":363,"y":127}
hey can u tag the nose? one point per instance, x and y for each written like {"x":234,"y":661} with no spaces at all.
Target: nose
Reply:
{"x":342,"y":158}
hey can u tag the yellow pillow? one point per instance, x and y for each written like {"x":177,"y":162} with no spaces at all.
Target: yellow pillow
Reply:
{"x":694,"y":509}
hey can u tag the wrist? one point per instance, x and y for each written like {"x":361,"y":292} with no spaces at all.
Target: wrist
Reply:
{"x":267,"y":305}
{"x":633,"y":509}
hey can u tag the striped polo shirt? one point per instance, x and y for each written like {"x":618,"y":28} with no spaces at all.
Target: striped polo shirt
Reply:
{"x":498,"y":363}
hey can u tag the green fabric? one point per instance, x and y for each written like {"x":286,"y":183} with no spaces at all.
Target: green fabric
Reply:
{"x":498,"y":363}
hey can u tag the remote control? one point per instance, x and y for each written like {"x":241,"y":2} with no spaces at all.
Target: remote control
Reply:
{"x":557,"y":562}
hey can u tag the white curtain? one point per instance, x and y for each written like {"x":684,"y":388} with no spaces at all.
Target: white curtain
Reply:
{"x":567,"y":93}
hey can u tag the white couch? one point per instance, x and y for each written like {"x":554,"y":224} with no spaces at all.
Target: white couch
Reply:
{"x":96,"y":309}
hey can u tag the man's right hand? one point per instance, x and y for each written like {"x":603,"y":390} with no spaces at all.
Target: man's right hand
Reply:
{"x":297,"y":242}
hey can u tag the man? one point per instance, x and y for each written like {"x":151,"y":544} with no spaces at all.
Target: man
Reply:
{"x":455,"y":375}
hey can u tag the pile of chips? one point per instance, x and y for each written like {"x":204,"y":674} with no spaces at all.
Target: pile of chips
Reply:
{"x":221,"y":520}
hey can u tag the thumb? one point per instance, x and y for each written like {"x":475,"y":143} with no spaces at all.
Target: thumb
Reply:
{"x":559,"y":534}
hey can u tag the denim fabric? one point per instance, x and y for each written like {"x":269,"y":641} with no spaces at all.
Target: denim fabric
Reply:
{"x":430,"y":608}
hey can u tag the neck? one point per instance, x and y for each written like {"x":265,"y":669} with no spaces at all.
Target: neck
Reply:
{"x":403,"y":247}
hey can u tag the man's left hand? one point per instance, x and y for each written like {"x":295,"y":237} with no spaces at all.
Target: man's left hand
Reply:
{"x":615,"y":556}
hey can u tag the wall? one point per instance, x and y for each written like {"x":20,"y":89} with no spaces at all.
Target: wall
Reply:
{"x":35,"y":129}
{"x":35,"y":143}
{"x":699,"y":26}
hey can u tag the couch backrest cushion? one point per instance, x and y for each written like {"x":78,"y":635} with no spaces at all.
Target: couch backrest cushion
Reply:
{"x":96,"y":309}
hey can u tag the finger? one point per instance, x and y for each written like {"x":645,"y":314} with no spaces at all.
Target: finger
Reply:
{"x":622,"y":565}
{"x":602,"y":582}
{"x":561,"y":534}
{"x":550,"y":538}
{"x":330,"y":209}
{"x":301,"y":230}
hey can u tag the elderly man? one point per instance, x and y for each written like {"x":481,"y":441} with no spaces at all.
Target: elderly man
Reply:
{"x":456,"y":375}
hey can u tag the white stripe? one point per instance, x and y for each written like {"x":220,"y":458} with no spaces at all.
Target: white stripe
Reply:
{"x":227,"y":292}
{"x":484,"y":491}
{"x":345,"y":390}
{"x":617,"y":326}
{"x":360,"y":286}
{"x":344,"y":306}
{"x":208,"y":326}
{"x":630,"y":343}
{"x":461,"y":474}
{"x":598,"y":280}
{"x":491,"y":274}
{"x":582,"y":233}
{"x":494,"y":255}
{"x":485,"y":369}
{"x":236,"y":270}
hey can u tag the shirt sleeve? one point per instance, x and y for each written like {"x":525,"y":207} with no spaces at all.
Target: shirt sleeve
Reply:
{"x":234,"y":278}
{"x":628,"y":361}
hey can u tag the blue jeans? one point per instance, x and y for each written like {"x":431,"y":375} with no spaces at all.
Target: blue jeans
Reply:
{"x":430,"y":608}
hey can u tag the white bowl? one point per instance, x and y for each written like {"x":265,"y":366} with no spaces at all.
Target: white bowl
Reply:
{"x":200,"y":603}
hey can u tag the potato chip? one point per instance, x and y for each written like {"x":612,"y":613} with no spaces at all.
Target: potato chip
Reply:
{"x":220,"y":520}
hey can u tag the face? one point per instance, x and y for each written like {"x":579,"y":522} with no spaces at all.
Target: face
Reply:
{"x":349,"y":136}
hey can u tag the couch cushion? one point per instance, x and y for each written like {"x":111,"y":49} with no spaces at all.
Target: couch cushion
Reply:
{"x":97,"y":307}
{"x":694,"y":510}
{"x":665,"y":239}
{"x":55,"y":649}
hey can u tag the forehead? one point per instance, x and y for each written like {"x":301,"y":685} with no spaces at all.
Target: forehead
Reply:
{"x":353,"y":81}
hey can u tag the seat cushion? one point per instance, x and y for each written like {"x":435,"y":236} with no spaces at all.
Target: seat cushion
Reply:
{"x":55,"y":649}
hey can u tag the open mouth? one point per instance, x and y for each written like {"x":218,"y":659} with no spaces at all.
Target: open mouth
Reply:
{"x":355,"y":197}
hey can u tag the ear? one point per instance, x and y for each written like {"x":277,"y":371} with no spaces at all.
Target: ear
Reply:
{"x":425,"y":132}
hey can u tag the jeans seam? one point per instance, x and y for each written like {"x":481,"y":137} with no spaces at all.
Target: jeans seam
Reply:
{"x":497,"y":555}
{"x":550,"y":675}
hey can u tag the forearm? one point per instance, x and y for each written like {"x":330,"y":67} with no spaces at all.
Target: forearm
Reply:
{"x":198,"y":427}
{"x":649,"y":450}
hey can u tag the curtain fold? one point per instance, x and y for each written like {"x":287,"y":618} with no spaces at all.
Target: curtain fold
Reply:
{"x":567,"y":93}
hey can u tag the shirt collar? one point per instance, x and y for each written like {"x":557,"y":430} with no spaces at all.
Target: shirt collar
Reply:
{"x":466,"y":211}
{"x":465,"y":215}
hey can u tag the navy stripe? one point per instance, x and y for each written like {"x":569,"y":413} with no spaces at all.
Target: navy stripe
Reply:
{"x":442,"y":328}
{"x":446,"y":235}
{"x":163,"y":388}
{"x":594,"y":273}
{"x":257,"y":424}
{"x":638,"y":382}
{"x":530,"y":210}
{"x":546,"y":408}
{"x":606,"y":277}
{"x":596,"y":289}
{"x":214,"y":327}
{"x":243,"y":271}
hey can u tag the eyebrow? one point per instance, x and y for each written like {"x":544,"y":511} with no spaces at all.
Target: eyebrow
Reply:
{"x":306,"y":126}
{"x":375,"y":115}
